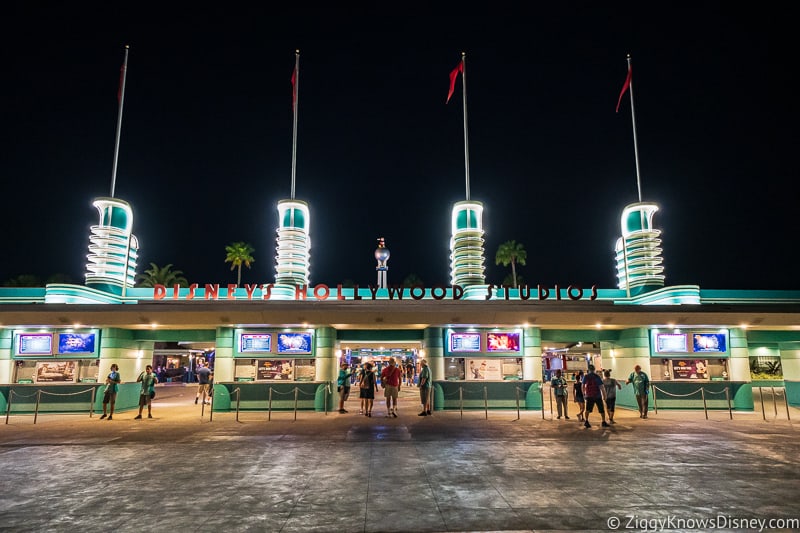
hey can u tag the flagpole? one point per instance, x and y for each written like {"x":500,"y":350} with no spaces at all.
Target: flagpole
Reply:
{"x":296,"y":102}
{"x":466,"y":135}
{"x":123,"y":76}
{"x":635,"y":143}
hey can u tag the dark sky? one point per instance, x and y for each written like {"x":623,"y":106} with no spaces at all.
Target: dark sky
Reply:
{"x":206,"y":142}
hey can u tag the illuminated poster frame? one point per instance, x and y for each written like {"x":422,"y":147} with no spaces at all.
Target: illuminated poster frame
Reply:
{"x":671,"y":343}
{"x":32,"y":344}
{"x":294,"y":343}
{"x":709,"y":342}
{"x":77,"y":343}
{"x":255,"y":343}
{"x":503,"y":342}
{"x":464,"y":342}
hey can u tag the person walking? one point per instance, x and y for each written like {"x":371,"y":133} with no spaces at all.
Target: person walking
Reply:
{"x":391,"y":379}
{"x":641,"y":388}
{"x":367,"y":387}
{"x":425,"y":388}
{"x":110,"y":393}
{"x":559,"y":387}
{"x":610,"y":385}
{"x":593,"y":395}
{"x":577,"y":394}
{"x":343,"y":383}
{"x":203,"y":383}
{"x":410,"y":373}
{"x":148,"y":392}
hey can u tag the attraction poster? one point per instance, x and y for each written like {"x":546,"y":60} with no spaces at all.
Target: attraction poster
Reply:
{"x":689,"y":369}
{"x":55,"y":372}
{"x":275,"y":370}
{"x":485,"y":369}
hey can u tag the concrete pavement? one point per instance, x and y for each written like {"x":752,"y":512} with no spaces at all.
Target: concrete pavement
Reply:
{"x":345,"y":472}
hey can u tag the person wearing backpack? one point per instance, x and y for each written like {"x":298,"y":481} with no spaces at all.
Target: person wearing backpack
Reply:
{"x":367,"y":387}
{"x":593,"y":395}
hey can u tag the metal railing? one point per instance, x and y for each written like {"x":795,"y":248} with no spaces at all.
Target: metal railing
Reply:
{"x":701,"y":390}
{"x":484,"y":392}
{"x":775,"y":391}
{"x":270,"y":391}
{"x":38,"y":394}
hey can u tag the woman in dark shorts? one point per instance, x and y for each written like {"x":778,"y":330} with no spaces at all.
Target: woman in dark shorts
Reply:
{"x":578,"y":395}
{"x":367,"y":387}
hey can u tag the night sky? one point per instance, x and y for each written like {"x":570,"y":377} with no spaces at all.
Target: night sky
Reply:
{"x":206,"y":145}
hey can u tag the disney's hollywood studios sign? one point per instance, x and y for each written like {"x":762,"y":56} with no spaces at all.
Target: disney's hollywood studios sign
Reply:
{"x":320,"y":292}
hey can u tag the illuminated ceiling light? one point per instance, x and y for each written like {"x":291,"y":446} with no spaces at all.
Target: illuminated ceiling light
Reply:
{"x":670,"y":326}
{"x":743,"y":326}
{"x":76,"y":326}
{"x":153,"y":325}
{"x":598,"y":325}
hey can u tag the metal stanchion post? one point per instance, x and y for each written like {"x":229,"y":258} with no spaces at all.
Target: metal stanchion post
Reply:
{"x":296,"y":392}
{"x":705,"y":407}
{"x":269,"y":408}
{"x":728,"y":396}
{"x":517,"y":391}
{"x":551,"y":403}
{"x":486,"y":402}
{"x":8,"y":407}
{"x":238,"y":400}
{"x":36,"y":410}
{"x":774,"y":401}
{"x":91,"y":402}
{"x":461,"y":400}
{"x":655,"y":400}
{"x":786,"y":402}
{"x":761,"y":395}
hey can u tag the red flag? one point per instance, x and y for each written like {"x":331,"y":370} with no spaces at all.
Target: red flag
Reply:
{"x":294,"y":87}
{"x":453,"y":74}
{"x":624,"y":87}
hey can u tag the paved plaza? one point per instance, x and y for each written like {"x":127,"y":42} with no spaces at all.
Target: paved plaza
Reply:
{"x":182,"y":472}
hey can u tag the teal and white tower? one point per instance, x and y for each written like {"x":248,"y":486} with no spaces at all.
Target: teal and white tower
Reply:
{"x":113,"y":248}
{"x":466,"y":245}
{"x":638,"y":250}
{"x":294,"y":244}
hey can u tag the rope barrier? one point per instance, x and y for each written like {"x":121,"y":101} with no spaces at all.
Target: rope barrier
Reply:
{"x":702,"y":391}
{"x":38,"y":395}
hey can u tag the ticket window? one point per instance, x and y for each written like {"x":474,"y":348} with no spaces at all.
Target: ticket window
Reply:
{"x":454,"y":369}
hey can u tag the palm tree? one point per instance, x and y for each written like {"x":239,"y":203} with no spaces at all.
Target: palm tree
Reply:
{"x":156,"y":275}
{"x":511,"y":252}
{"x":411,"y":280}
{"x":24,"y":280}
{"x":238,"y":255}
